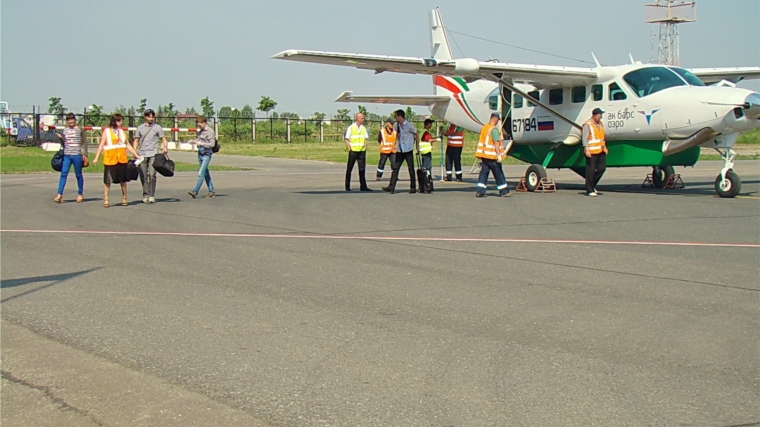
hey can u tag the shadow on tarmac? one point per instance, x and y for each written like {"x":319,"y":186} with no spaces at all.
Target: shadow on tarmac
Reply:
{"x":54,"y":278}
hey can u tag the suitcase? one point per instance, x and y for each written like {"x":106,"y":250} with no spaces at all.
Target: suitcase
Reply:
{"x":424,"y":178}
{"x":163,"y":164}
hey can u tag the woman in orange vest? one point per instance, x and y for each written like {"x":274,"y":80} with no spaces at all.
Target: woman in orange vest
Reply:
{"x":113,"y":145}
{"x":595,"y":149}
{"x":490,"y":154}
{"x":387,"y":140}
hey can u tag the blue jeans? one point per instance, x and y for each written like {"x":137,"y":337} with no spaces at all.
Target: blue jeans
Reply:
{"x":204,"y":157}
{"x":67,"y":162}
{"x":488,"y":165}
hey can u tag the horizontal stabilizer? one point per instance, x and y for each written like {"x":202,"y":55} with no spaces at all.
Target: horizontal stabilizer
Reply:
{"x":422,"y":100}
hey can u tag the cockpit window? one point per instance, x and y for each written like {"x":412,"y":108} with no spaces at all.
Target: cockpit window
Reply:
{"x":493,"y":100}
{"x":688,"y":76}
{"x":649,"y":80}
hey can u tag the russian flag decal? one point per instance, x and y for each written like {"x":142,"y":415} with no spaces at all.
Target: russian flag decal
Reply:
{"x":548,"y":125}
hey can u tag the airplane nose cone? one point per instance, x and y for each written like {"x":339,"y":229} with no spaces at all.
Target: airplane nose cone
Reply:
{"x":752,"y":106}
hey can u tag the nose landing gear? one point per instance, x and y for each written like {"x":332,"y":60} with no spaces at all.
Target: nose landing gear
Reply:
{"x":727,"y":184}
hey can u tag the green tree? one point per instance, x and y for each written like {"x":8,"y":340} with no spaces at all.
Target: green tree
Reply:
{"x":292,"y":116}
{"x":363,"y":110}
{"x":169,"y":110}
{"x":143,"y":105}
{"x":318,"y":116}
{"x":266,"y":104}
{"x":97,"y":110}
{"x":207,"y":107}
{"x":191,"y":110}
{"x":225,"y":112}
{"x":56,"y":107}
{"x":246,"y":112}
{"x":410,"y":114}
{"x":342,"y":114}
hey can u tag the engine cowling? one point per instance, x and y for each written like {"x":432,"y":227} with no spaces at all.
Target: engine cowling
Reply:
{"x":466,"y":66}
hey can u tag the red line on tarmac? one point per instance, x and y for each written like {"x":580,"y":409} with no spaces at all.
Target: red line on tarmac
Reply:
{"x":388,"y":238}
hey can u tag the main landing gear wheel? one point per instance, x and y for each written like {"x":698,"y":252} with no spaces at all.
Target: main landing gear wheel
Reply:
{"x":661,"y":175}
{"x":729,"y":187}
{"x":533,"y":176}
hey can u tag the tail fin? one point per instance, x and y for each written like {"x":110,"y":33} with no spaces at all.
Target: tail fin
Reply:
{"x":439,"y":41}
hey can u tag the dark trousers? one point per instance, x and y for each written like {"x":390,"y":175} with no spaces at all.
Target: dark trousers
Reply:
{"x":595,"y":167}
{"x":400,"y":159}
{"x":354,"y":157}
{"x":454,"y":156}
{"x":488,"y":165}
{"x":381,"y":166}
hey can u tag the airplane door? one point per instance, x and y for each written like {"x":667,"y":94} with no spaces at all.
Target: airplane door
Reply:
{"x":505,"y":111}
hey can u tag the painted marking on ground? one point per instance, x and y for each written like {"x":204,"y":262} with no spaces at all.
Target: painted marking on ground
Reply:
{"x":386,"y":238}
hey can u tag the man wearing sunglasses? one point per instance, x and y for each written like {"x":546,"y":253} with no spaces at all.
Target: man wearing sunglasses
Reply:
{"x":146,"y":145}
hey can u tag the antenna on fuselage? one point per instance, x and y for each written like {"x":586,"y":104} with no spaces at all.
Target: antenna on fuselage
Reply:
{"x":598,"y":65}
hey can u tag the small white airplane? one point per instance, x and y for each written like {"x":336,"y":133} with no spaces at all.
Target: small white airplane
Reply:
{"x":655,"y":115}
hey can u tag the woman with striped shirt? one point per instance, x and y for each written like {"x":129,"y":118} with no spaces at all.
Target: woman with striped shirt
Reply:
{"x":72,"y":155}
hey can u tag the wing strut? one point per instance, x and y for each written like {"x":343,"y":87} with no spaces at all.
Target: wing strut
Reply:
{"x":537,"y":102}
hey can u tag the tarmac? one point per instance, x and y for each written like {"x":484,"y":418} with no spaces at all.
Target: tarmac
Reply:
{"x":286,"y":301}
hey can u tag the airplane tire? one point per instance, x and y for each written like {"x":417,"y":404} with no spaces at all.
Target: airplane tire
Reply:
{"x":533,"y":176}
{"x":661,"y":175}
{"x":730,"y":187}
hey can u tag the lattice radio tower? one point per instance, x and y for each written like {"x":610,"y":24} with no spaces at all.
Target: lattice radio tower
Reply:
{"x":668,"y":13}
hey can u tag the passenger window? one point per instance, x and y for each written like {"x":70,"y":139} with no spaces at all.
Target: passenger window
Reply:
{"x":616,"y":94}
{"x":579,"y":94}
{"x":598,"y":91}
{"x":517,"y":101}
{"x":556,"y":96}
{"x":534,"y":94}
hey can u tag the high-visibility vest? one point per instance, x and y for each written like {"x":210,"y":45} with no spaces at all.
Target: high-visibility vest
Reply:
{"x":457,"y":138}
{"x":115,"y":150}
{"x":388,"y":144}
{"x":596,"y":142}
{"x":486,"y":147}
{"x":426,"y":146}
{"x":357,"y":138}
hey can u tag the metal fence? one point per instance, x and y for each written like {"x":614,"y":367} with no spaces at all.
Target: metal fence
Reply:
{"x":37,"y":128}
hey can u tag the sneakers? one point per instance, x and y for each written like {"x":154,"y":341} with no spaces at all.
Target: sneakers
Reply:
{"x":151,"y":200}
{"x":210,"y":195}
{"x":192,"y":194}
{"x":593,"y":194}
{"x":146,"y":200}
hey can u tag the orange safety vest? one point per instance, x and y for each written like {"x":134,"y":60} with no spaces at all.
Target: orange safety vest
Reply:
{"x":596,"y":142}
{"x":388,"y":144}
{"x":486,"y":147}
{"x":115,"y":152}
{"x":457,"y":138}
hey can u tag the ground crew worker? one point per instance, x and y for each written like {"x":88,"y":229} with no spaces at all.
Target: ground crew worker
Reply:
{"x":407,"y":141}
{"x":489,"y":152}
{"x":387,"y":139}
{"x":355,"y":138}
{"x":595,"y":149}
{"x":454,"y":143}
{"x":426,"y":151}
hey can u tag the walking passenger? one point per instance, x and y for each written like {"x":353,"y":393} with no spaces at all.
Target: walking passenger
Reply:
{"x":146,"y":145}
{"x":490,"y":153}
{"x":72,"y":155}
{"x":387,"y":140}
{"x":595,"y":149}
{"x":205,"y":140}
{"x":114,"y":146}
{"x":455,"y":141}
{"x":407,"y":142}
{"x":356,"y":142}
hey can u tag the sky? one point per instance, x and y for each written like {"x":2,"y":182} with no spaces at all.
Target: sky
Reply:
{"x":114,"y":53}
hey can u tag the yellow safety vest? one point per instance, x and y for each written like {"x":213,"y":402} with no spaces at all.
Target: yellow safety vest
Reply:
{"x":486,"y":147}
{"x":596,"y":142}
{"x":426,"y":146}
{"x":115,"y":152}
{"x":388,"y":144}
{"x":357,"y":137}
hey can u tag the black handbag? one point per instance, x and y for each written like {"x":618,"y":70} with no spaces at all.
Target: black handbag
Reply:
{"x":216,"y":147}
{"x":163,"y":164}
{"x":57,"y":161}
{"x":133,"y":171}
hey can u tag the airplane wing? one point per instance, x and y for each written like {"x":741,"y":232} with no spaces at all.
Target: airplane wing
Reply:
{"x":539,"y":75}
{"x":424,"y":100}
{"x":736,"y":74}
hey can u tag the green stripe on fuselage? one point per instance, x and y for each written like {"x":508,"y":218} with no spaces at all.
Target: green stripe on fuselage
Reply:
{"x":621,"y":154}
